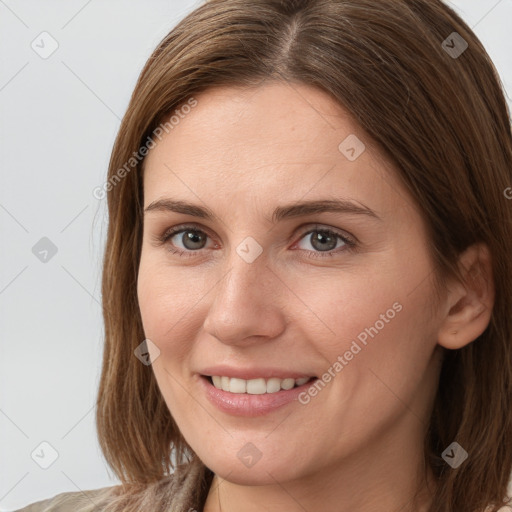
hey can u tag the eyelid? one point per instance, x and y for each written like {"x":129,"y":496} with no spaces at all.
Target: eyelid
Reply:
{"x":350,"y":240}
{"x":322,"y":227}
{"x":170,"y":232}
{"x":310,"y":226}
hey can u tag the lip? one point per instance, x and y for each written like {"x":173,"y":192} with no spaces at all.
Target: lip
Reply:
{"x":252,"y":373}
{"x":244,"y":404}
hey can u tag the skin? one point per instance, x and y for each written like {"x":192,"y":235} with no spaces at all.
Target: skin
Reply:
{"x":357,"y":445}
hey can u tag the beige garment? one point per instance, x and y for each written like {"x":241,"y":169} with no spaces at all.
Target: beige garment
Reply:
{"x":185,"y":491}
{"x":80,"y":501}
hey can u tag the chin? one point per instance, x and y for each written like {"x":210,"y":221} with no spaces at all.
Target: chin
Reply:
{"x":244,"y":471}
{"x":260,"y":474}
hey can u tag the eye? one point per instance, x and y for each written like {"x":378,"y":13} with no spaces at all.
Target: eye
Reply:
{"x":191,"y":238}
{"x":325,"y":240}
{"x":321,"y":239}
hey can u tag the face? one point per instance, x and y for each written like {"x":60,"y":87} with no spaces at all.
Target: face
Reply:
{"x":334,"y":294}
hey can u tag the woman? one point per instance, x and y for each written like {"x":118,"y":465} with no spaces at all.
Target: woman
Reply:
{"x":307,"y":282}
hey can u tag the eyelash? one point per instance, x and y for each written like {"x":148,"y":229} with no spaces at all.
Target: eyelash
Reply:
{"x":350,"y":244}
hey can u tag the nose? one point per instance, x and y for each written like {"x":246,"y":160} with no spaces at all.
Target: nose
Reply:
{"x":247,"y":304}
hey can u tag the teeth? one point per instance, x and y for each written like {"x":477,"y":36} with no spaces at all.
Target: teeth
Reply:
{"x":256,"y":386}
{"x":288,"y":383}
{"x":237,"y":385}
{"x":273,"y":385}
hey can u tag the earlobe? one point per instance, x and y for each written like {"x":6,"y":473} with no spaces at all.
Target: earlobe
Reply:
{"x":469,"y":305}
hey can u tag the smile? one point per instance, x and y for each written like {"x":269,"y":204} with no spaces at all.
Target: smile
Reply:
{"x":253,"y":397}
{"x":257,"y":386}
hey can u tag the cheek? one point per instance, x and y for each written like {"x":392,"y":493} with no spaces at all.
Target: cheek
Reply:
{"x":372,"y":317}
{"x":169,"y":301}
{"x":165,"y":304}
{"x":165,"y":308}
{"x":342,"y":306}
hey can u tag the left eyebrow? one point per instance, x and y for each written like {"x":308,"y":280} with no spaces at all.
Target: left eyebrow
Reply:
{"x":327,"y":205}
{"x":300,"y":209}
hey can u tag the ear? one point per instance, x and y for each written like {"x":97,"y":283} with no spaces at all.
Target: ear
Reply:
{"x":469,"y":305}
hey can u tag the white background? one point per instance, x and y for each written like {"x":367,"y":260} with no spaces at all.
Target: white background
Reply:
{"x":58,"y":120}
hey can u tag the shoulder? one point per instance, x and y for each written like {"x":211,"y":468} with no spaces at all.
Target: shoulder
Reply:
{"x":185,"y":489}
{"x":79,"y":501}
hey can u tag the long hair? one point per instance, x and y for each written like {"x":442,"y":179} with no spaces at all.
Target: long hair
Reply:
{"x":433,"y":106}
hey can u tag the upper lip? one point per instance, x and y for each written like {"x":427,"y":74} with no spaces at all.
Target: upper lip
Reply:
{"x":253,"y":373}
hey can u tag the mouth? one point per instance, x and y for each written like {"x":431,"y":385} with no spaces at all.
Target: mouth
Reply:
{"x":258,"y":386}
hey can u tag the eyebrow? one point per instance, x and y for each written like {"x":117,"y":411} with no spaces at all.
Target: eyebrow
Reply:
{"x":290,"y":211}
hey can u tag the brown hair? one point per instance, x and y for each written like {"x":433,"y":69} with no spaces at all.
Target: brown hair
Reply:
{"x":444,"y":123}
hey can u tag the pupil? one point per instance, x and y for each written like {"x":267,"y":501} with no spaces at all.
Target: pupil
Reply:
{"x":322,"y":237}
{"x":194,"y":237}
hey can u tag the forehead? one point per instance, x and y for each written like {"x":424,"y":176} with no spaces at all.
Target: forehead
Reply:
{"x":261,"y":143}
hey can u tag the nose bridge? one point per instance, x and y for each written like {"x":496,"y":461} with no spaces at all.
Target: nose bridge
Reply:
{"x":248,"y":266}
{"x":247,"y":284}
{"x":244,"y":297}
{"x":245,"y":278}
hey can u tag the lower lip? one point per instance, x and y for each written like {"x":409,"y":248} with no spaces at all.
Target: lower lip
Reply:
{"x":245,"y":404}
